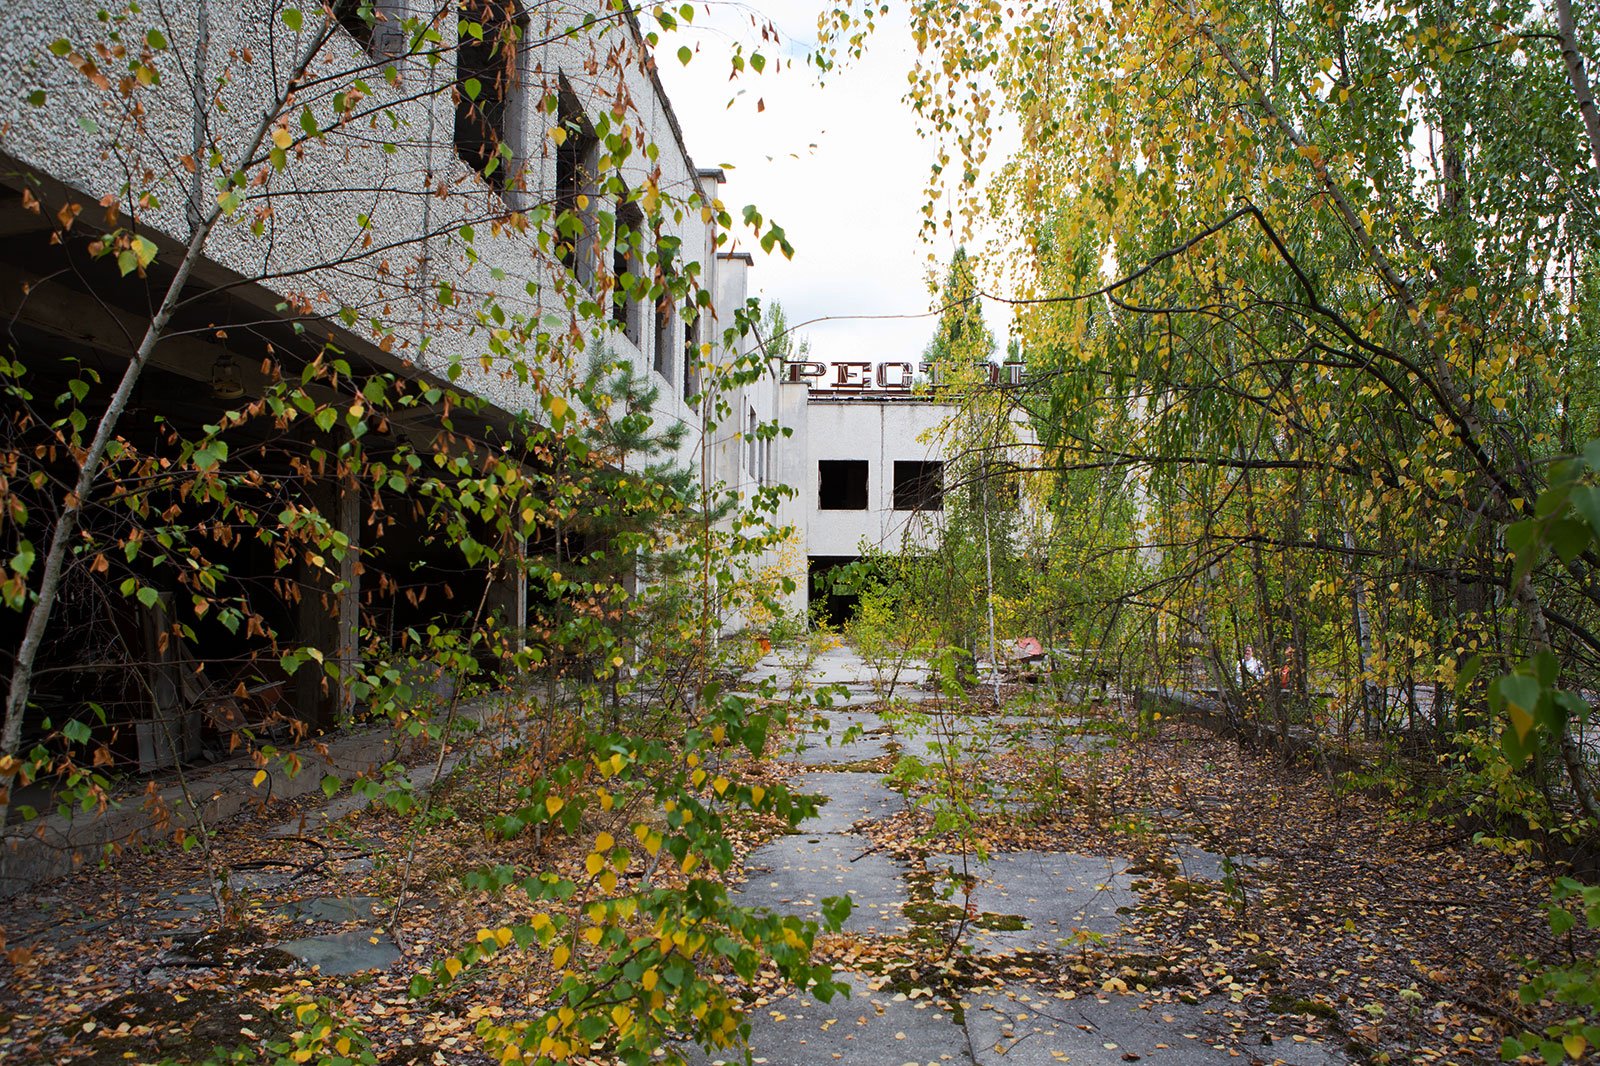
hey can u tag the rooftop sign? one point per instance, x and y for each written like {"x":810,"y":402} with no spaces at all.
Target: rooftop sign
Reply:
{"x":844,"y":376}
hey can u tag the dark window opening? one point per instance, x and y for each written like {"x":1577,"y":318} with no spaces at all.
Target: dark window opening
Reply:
{"x":575,"y":186}
{"x":918,"y":485}
{"x":666,"y":329}
{"x":664,"y":335}
{"x":357,"y":18}
{"x":825,"y":600}
{"x":486,"y":75}
{"x":842,"y":485}
{"x":691,"y":351}
{"x":753,"y":445}
{"x":627,"y":250}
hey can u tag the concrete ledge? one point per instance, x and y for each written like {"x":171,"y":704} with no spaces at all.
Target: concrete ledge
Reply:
{"x":53,"y":845}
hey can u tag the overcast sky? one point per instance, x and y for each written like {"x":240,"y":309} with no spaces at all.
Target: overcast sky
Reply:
{"x":839,"y":167}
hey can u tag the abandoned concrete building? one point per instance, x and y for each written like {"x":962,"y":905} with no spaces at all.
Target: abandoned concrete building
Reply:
{"x":423,"y":178}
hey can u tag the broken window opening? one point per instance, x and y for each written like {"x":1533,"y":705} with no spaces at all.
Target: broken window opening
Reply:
{"x":487,"y":76}
{"x":576,"y":163}
{"x":627,"y":252}
{"x":918,"y":485}
{"x":691,"y":351}
{"x":842,"y":485}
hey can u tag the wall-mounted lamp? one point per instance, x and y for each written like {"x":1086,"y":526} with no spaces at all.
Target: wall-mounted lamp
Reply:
{"x":225,"y":381}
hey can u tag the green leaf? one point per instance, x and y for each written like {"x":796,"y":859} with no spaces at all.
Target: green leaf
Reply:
{"x":472,"y":87}
{"x":60,"y":47}
{"x":76,"y":732}
{"x":1469,"y":672}
{"x":1586,"y":501}
{"x":148,"y":596}
{"x":1591,"y":455}
{"x":155,"y":39}
{"x":293,"y":18}
{"x":330,"y":785}
{"x":685,"y":53}
{"x":36,"y":98}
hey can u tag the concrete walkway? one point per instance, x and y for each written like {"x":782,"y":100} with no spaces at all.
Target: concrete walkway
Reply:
{"x":1042,"y":903}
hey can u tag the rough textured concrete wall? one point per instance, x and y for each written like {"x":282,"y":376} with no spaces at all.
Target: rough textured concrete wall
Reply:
{"x":369,"y":218}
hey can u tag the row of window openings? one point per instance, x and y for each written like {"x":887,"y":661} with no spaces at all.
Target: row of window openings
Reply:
{"x":486,"y":74}
{"x":842,"y":485}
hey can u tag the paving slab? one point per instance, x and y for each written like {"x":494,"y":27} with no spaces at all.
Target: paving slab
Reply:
{"x":1195,"y":863}
{"x":345,"y":953}
{"x":852,"y":797}
{"x":826,"y":745}
{"x":870,"y":1028}
{"x":1056,"y":893}
{"x":331,"y":908}
{"x":1022,"y":1025}
{"x":793,"y":874}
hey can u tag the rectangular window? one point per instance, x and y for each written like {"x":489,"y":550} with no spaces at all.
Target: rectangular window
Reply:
{"x":627,"y":255}
{"x":918,"y":485}
{"x":842,"y":485}
{"x":487,"y":79}
{"x":691,"y":350}
{"x":576,"y":181}
{"x":664,"y":338}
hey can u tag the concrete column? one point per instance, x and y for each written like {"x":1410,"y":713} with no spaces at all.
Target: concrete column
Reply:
{"x":328,"y":617}
{"x":508,"y":598}
{"x":172,"y":733}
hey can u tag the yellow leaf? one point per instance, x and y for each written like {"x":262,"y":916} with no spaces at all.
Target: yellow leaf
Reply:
{"x":282,"y":137}
{"x":757,"y":794}
{"x":559,"y":957}
{"x":1521,"y":720}
{"x":593,"y":934}
{"x":1575,"y":1044}
{"x":558,"y":134}
{"x":649,"y":980}
{"x":553,"y":804}
{"x":558,"y":407}
{"x":452,"y":966}
{"x":502,"y":936}
{"x":608,"y":882}
{"x":594,"y":863}
{"x":720,"y":784}
{"x":604,"y":842}
{"x":255,"y":782}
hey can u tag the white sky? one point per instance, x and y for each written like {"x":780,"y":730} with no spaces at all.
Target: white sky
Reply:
{"x":839,"y":167}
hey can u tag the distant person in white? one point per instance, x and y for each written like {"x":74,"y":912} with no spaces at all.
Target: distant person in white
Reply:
{"x":1250,"y":668}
